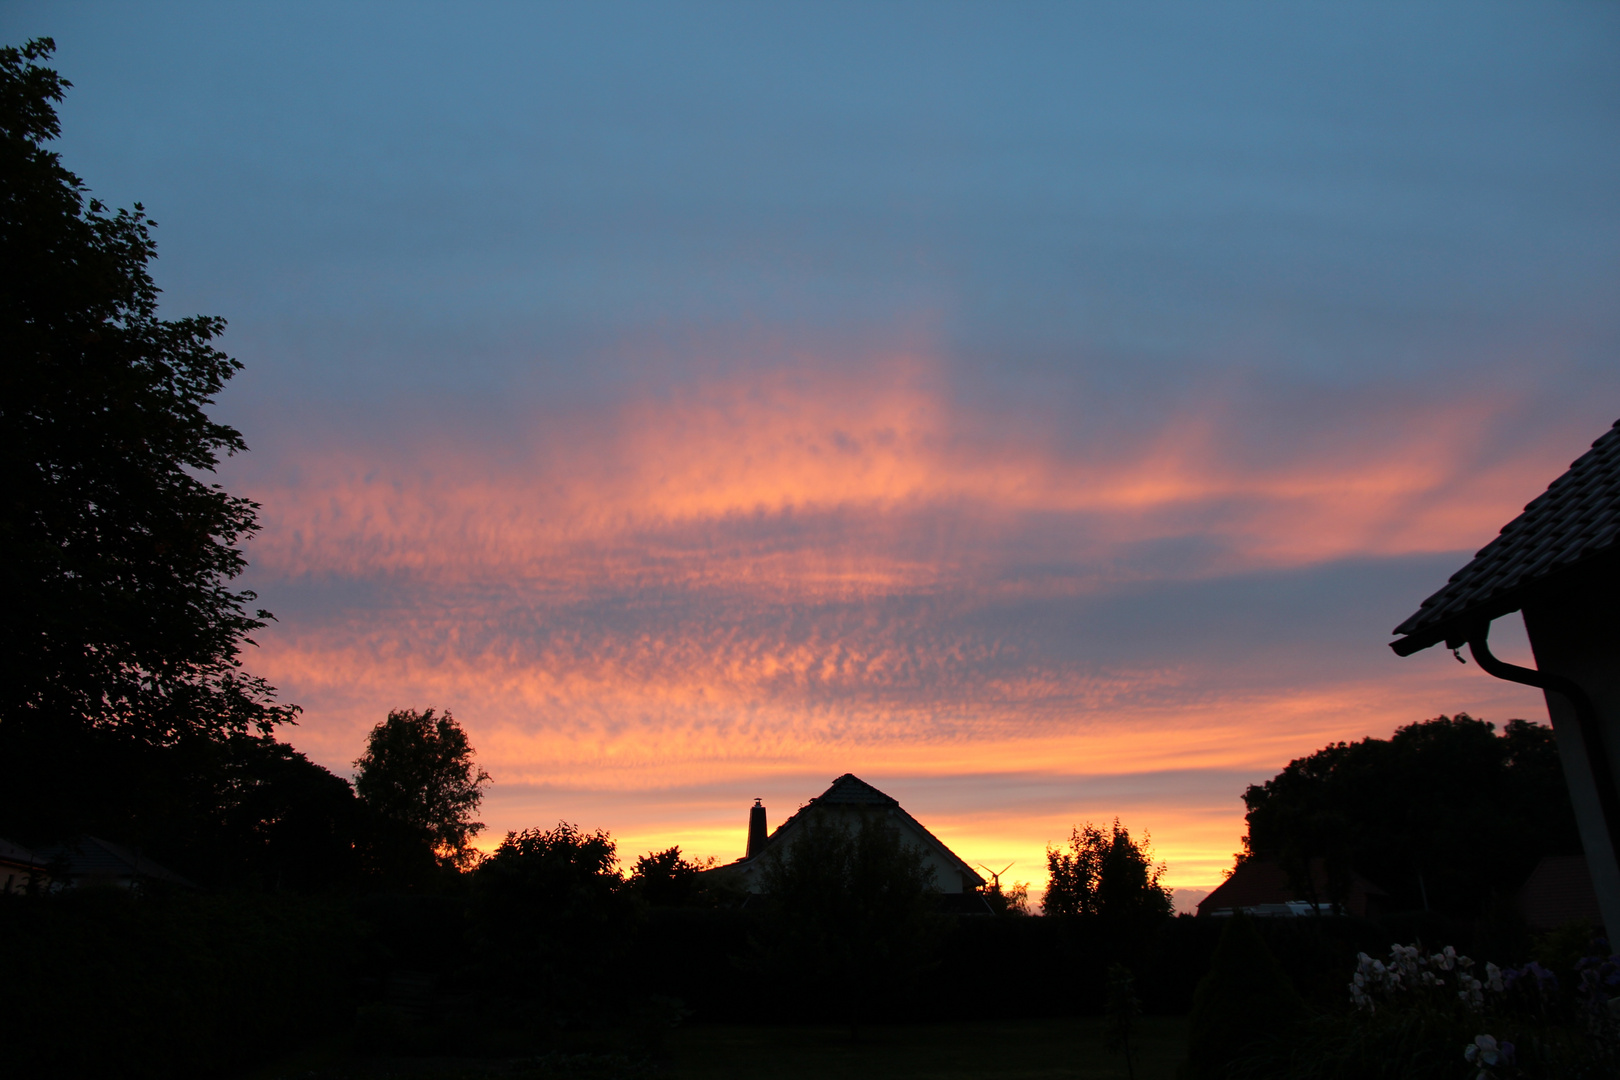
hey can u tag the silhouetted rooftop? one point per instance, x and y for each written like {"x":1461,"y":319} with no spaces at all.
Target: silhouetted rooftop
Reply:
{"x":851,"y":790}
{"x":91,"y":859}
{"x":1566,"y":532}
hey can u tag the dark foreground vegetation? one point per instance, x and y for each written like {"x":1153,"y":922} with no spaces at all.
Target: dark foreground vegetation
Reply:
{"x":449,"y":982}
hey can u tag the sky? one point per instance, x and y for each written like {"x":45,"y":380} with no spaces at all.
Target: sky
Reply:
{"x":1042,"y":411}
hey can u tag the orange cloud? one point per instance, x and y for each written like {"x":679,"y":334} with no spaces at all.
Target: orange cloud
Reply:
{"x":802,"y":573}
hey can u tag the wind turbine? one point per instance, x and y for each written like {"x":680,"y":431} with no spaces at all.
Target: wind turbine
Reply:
{"x":995,"y":875}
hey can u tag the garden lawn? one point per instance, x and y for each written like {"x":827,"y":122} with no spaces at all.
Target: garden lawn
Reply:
{"x":983,"y":1050}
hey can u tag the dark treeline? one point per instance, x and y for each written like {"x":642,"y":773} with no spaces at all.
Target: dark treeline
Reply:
{"x":1447,"y":816}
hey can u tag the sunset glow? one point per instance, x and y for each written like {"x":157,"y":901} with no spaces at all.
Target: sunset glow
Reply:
{"x":652,"y":613}
{"x":1044,"y":414}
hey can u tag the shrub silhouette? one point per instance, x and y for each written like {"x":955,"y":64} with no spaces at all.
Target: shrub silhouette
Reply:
{"x":1244,"y":1001}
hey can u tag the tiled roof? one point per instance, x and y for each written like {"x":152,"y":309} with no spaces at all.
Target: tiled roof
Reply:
{"x":94,"y":859}
{"x":851,"y":790}
{"x":1570,"y":528}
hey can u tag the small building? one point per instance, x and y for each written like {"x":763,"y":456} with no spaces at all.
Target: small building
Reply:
{"x":21,"y":870}
{"x":1558,"y":563}
{"x":851,"y":802}
{"x":1261,"y":887}
{"x":91,"y":861}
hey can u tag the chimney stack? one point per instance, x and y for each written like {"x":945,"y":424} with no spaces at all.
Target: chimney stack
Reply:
{"x":756,"y":830}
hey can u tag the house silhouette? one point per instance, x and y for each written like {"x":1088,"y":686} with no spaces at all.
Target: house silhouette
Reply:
{"x":851,"y":803}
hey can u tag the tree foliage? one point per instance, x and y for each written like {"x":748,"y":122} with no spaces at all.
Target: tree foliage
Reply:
{"x":549,"y":872}
{"x":1007,"y":900}
{"x":123,"y":633}
{"x":666,"y":878}
{"x":120,"y":556}
{"x":553,"y":913}
{"x":1105,"y":874}
{"x":418,"y":771}
{"x":1442,"y":815}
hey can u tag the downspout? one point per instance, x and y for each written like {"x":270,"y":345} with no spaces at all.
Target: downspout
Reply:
{"x":1588,"y":724}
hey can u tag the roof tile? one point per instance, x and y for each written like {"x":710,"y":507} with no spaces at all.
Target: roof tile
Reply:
{"x":1574,"y":522}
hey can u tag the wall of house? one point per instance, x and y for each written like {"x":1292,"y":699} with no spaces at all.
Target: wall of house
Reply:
{"x":1577,"y":636}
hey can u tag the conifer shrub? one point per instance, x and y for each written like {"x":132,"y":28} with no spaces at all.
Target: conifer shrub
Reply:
{"x":1245,"y":1001}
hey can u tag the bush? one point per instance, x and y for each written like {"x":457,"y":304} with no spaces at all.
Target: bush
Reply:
{"x":1245,"y":1001}
{"x":1422,"y":1015}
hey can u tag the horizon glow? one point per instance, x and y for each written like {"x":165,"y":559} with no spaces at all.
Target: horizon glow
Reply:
{"x":1043,"y":411}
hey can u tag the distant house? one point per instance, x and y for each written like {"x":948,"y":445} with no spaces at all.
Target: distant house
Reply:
{"x":1261,"y":887}
{"x":849,"y":802}
{"x":21,"y":870}
{"x":1559,"y":564}
{"x":91,"y":861}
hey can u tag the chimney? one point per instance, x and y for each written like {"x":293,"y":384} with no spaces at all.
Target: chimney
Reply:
{"x":756,"y":830}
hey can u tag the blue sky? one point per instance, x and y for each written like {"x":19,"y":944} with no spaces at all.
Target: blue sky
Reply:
{"x":705,"y":400}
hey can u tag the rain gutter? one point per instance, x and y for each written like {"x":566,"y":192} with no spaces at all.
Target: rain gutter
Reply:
{"x":1589,"y":726}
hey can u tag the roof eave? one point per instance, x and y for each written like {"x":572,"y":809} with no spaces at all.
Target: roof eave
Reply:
{"x":1455,"y":630}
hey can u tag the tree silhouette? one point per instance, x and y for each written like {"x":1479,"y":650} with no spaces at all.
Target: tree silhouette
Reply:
{"x":1441,"y":815}
{"x":1105,"y":874}
{"x":121,"y":629}
{"x":553,"y":915}
{"x":666,"y":878}
{"x":418,"y":772}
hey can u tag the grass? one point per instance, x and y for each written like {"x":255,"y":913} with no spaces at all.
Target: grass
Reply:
{"x":1067,"y":1049}
{"x":1070,"y":1049}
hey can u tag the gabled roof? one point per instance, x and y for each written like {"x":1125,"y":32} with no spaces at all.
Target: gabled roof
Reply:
{"x":851,"y":791}
{"x":1568,"y":531}
{"x":94,"y":859}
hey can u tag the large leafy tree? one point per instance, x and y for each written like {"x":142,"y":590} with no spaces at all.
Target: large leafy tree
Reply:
{"x":122,"y":628}
{"x":1443,"y":815}
{"x":418,"y":772}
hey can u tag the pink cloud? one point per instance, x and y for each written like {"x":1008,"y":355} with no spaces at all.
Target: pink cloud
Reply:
{"x":777,"y":573}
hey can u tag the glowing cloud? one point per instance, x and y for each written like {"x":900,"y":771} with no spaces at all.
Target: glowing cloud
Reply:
{"x":787,"y":574}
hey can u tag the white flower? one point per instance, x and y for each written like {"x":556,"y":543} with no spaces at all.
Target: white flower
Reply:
{"x":1470,"y":992}
{"x":1483,"y":1050}
{"x":1493,"y":978}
